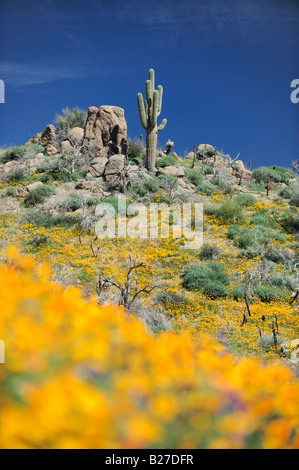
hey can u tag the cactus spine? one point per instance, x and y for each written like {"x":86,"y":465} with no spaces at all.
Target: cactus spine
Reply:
{"x":148,"y":113}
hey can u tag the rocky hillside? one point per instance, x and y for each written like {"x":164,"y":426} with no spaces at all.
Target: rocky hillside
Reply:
{"x":239,"y":290}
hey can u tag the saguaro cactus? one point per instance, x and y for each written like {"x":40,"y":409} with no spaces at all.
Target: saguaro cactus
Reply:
{"x":148,"y":113}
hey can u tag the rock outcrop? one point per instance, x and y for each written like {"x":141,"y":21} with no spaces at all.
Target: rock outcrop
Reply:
{"x":44,"y":138}
{"x":105,"y":132}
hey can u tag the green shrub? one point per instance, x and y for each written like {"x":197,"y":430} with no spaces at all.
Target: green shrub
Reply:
{"x":168,"y":160}
{"x":70,"y":204}
{"x":91,"y":202}
{"x":13,"y":153}
{"x":36,"y":148}
{"x":171,"y":300}
{"x":206,"y":188}
{"x":40,"y":218}
{"x":208,"y":251}
{"x":113,"y":201}
{"x":195,"y":177}
{"x":230,"y":211}
{"x":244,"y":240}
{"x":286,"y":193}
{"x":167,"y":182}
{"x":294,"y":200}
{"x":207,"y":170}
{"x":215,"y":290}
{"x":69,"y":119}
{"x":208,"y":151}
{"x":136,"y":150}
{"x":8,"y":192}
{"x":239,"y":292}
{"x":276,"y":174}
{"x":260,"y":219}
{"x":196,"y":276}
{"x":245,"y":200}
{"x":36,"y":242}
{"x":233,"y":231}
{"x":266,"y":342}
{"x":38,"y":195}
{"x":45,"y":178}
{"x":151,"y":185}
{"x":267,"y":294}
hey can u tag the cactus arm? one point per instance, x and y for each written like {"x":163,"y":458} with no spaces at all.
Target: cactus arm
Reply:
{"x":149,"y":93}
{"x":162,"y":125}
{"x":153,"y":118}
{"x":141,"y":110}
{"x":151,"y":76}
{"x":160,"y":90}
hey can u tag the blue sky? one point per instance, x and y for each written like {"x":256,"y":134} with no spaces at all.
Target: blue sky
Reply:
{"x":226,"y":67}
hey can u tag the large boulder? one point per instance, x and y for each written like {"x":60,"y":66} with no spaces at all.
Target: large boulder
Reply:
{"x":105,"y":132}
{"x":239,"y":170}
{"x":177,"y":171}
{"x":108,"y":168}
{"x":44,"y":138}
{"x":76,"y":135}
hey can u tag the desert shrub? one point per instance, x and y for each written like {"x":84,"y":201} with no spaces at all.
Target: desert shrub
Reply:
{"x":136,"y":150}
{"x":36,"y":242}
{"x":90,"y":202}
{"x":233,"y":231}
{"x":267,"y":294}
{"x":40,"y":218}
{"x":206,"y":188}
{"x":8,"y":192}
{"x":208,"y":151}
{"x":210,"y":210}
{"x":239,"y":292}
{"x":168,"y":160}
{"x":215,"y":290}
{"x":195,"y":177}
{"x":174,"y":302}
{"x":207,"y":170}
{"x":294,"y":200}
{"x":244,"y":240}
{"x":230,"y":211}
{"x":196,"y":276}
{"x":208,"y":251}
{"x":113,"y":201}
{"x":70,"y":204}
{"x":38,"y":195}
{"x":266,"y":342}
{"x":151,"y":185}
{"x":45,"y":178}
{"x":260,"y":219}
{"x":286,"y":193}
{"x":13,"y":153}
{"x":276,"y":174}
{"x":69,"y":119}
{"x":275,"y":255}
{"x":36,"y":148}
{"x":245,"y":200}
{"x":167,"y":182}
{"x":252,"y":252}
